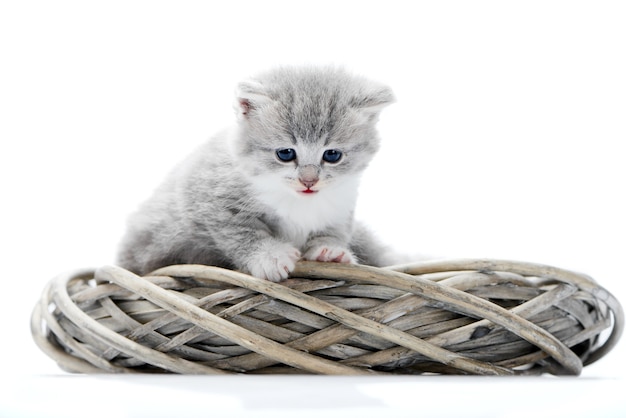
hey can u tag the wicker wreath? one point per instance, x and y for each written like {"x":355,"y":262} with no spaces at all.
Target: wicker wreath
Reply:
{"x":483,"y":317}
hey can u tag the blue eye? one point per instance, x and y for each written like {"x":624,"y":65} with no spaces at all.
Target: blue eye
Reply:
{"x":332,"y":155}
{"x":286,"y":154}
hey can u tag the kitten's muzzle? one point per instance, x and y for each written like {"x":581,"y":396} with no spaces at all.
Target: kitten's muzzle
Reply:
{"x":309,"y":175}
{"x":308,"y":183}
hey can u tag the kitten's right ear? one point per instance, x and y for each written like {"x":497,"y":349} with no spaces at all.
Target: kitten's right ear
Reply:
{"x":378,"y":98}
{"x":372,"y":100}
{"x":250,"y":96}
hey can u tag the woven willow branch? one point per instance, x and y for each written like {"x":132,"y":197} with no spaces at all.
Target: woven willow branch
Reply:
{"x":484,"y":317}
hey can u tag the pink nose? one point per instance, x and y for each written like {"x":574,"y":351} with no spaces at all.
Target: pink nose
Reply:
{"x":308,"y":183}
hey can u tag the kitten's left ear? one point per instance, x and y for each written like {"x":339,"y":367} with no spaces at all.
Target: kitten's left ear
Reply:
{"x":371,"y":101}
{"x":250,"y":96}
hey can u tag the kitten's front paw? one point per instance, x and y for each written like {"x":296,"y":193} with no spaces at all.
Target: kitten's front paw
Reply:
{"x":273,"y":262}
{"x":330,"y":253}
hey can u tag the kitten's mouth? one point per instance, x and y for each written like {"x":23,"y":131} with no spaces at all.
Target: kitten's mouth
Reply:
{"x":308,"y":191}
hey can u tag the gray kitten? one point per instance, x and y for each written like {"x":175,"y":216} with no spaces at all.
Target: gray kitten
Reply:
{"x":279,"y":186}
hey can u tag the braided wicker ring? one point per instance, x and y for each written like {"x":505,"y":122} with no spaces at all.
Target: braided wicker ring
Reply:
{"x":483,"y":317}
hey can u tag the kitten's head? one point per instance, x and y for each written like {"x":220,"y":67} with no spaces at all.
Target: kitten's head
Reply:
{"x":308,"y":128}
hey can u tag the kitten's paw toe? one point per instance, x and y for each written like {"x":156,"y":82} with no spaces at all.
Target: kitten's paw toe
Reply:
{"x":274,"y":263}
{"x":330,"y":254}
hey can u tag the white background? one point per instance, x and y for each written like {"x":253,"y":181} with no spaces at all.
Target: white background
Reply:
{"x":506,"y":141}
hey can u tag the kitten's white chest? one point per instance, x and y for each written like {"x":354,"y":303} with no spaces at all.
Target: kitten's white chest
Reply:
{"x":300,"y":215}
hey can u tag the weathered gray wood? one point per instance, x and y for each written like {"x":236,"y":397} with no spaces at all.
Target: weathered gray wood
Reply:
{"x":453,"y":316}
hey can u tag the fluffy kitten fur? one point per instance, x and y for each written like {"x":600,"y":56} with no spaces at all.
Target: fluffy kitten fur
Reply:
{"x":234,"y":203}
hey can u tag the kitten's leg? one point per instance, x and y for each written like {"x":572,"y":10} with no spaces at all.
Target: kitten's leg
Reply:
{"x":370,"y":250}
{"x":328,"y":248}
{"x":271,"y":260}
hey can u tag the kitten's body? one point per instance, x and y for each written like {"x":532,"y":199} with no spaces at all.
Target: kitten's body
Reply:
{"x":237,"y":202}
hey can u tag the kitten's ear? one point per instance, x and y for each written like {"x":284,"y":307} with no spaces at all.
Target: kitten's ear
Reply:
{"x":371,"y":101}
{"x":250,"y":96}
